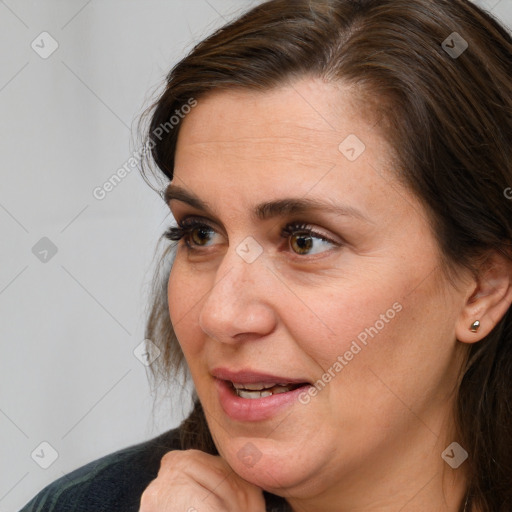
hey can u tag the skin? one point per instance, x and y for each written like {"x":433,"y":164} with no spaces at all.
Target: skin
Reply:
{"x":372,"y":439}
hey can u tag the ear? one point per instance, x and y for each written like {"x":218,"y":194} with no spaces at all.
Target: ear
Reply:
{"x":489,"y":298}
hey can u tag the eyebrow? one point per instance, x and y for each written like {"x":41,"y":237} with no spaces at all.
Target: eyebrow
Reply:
{"x":267,"y":209}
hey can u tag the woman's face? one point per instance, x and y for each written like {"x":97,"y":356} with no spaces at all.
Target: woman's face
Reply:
{"x":345,"y":292}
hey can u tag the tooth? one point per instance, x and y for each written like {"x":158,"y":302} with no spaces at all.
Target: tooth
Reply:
{"x":247,"y":394}
{"x":244,"y":393}
{"x":253,"y":387}
{"x":280,"y":389}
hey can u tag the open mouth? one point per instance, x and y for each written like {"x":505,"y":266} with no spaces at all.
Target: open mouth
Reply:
{"x":262,"y":390}
{"x":253,"y":396}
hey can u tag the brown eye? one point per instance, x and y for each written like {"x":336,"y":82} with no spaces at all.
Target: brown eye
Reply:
{"x":303,"y":240}
{"x":199,"y":235}
{"x":194,"y":233}
{"x":301,"y":243}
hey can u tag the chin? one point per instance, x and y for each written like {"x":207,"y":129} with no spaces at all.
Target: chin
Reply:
{"x":262,"y":463}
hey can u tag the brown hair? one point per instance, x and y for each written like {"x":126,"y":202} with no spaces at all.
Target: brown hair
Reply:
{"x":448,"y":118}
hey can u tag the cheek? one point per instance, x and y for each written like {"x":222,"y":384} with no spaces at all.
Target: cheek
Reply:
{"x":183,"y":294}
{"x":386,"y":356}
{"x":360,"y":327}
{"x":344,"y":320}
{"x":173,"y":296}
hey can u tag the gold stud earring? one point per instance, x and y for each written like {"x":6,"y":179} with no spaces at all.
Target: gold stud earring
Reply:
{"x":475,"y":326}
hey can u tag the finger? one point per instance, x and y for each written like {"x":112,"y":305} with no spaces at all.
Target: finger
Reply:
{"x":207,"y":478}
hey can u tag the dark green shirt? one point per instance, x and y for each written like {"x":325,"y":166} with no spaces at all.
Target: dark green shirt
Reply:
{"x":115,"y":482}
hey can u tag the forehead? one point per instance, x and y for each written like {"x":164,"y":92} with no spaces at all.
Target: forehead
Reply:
{"x":307,"y":135}
{"x":308,"y":113}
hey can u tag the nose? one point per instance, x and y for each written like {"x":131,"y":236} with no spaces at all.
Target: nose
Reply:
{"x":238,"y":307}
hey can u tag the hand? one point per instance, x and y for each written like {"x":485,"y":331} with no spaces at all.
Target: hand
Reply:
{"x":194,"y":481}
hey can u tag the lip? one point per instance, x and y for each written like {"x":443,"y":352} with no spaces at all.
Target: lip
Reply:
{"x":253,"y":377}
{"x":255,"y":409}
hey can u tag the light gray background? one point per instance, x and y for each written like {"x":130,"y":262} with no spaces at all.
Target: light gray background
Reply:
{"x":69,"y":325}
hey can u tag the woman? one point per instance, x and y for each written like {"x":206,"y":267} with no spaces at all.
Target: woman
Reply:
{"x":340,"y":281}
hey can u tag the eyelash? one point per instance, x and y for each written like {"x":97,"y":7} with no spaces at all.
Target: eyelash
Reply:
{"x":186,"y":227}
